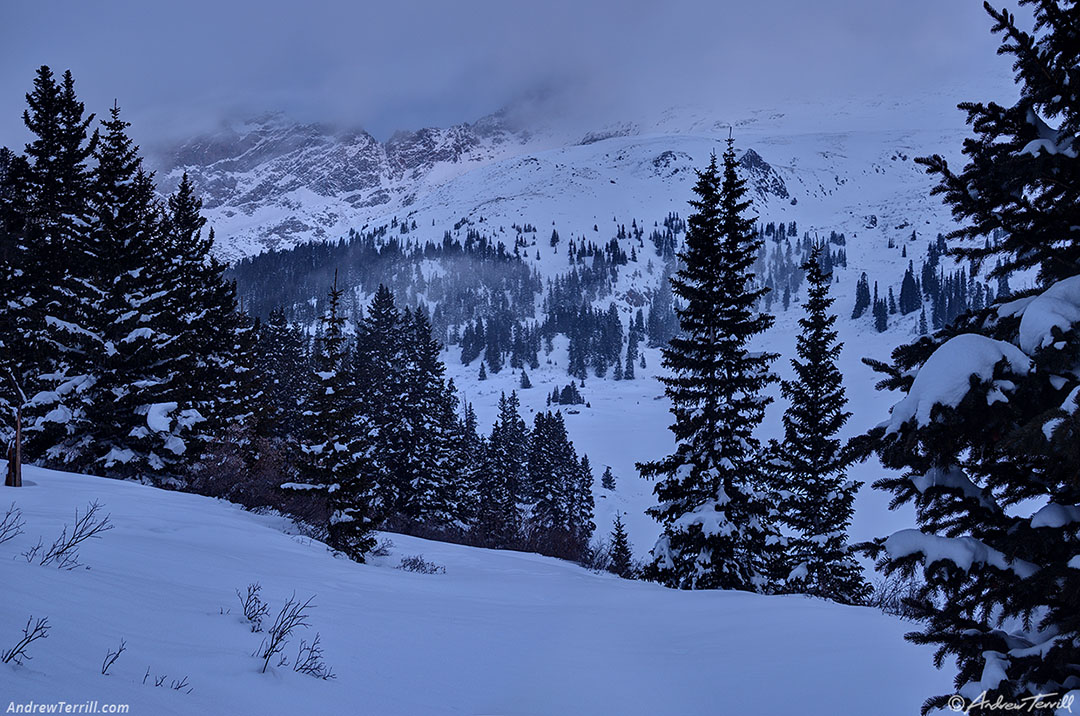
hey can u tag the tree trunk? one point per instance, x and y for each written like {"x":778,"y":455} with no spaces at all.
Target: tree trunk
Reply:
{"x":14,"y":456}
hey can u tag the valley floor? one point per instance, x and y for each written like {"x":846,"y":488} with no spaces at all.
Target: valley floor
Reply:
{"x":497,"y":633}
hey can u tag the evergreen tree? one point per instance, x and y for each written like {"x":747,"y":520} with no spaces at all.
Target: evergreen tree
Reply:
{"x":208,"y":334}
{"x":862,"y":297}
{"x":135,"y":427}
{"x":621,"y":562}
{"x":881,"y":315}
{"x":428,"y":428}
{"x":525,"y":382}
{"x":1000,"y":586}
{"x":1018,"y":154}
{"x":716,"y":520}
{"x":379,"y":372}
{"x":582,"y":505}
{"x":662,"y":323}
{"x":506,"y":484}
{"x":16,"y":292}
{"x":910,"y":301}
{"x":58,"y":342}
{"x":816,"y":500}
{"x":335,"y":449}
{"x":607,"y":480}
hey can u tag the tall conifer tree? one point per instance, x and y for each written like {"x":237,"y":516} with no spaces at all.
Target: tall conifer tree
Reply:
{"x":336,"y":450}
{"x":816,"y":500}
{"x":1000,"y":583}
{"x":716,"y":518}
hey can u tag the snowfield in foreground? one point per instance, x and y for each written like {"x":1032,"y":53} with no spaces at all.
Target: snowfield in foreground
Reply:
{"x":498,"y":633}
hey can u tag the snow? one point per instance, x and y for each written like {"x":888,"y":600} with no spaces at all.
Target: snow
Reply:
{"x":499,"y":632}
{"x":137,"y":334}
{"x":953,"y":477}
{"x":1055,"y":515}
{"x":1056,"y":307}
{"x":945,"y":378}
{"x":713,"y":521}
{"x":964,"y":552}
{"x":157,"y":416}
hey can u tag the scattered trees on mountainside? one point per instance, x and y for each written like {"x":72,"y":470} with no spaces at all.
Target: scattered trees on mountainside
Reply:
{"x":988,"y":425}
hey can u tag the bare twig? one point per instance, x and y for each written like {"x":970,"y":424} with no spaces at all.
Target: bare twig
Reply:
{"x":11,"y":526}
{"x":309,"y":660}
{"x":64,"y":551}
{"x":111,"y":657}
{"x":254,"y":608}
{"x":32,"y":553}
{"x":31,"y":633}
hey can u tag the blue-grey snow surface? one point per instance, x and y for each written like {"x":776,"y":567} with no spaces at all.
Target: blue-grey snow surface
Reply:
{"x":498,"y":633}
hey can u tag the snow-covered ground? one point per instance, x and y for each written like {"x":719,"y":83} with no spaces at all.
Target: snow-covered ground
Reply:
{"x":498,"y":633}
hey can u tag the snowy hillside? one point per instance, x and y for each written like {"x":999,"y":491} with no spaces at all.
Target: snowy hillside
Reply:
{"x":498,"y":632}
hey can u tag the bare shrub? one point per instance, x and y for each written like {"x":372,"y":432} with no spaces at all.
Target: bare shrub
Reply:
{"x":11,"y":526}
{"x":64,"y":552}
{"x":417,"y":564}
{"x":245,"y":468}
{"x":383,"y":548}
{"x":33,"y":631}
{"x":293,"y":616}
{"x":254,"y":607}
{"x":891,"y":594}
{"x":309,"y":660}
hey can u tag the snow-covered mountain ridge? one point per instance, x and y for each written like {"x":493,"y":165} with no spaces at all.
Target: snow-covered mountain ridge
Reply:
{"x":273,"y":183}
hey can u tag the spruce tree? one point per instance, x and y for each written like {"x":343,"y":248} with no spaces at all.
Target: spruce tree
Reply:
{"x":135,"y":426}
{"x":210,"y":337}
{"x":504,"y":480}
{"x":582,"y":504}
{"x":378,"y":368}
{"x":974,"y":454}
{"x":335,"y":449}
{"x":816,"y":500}
{"x":58,"y":340}
{"x":862,"y":297}
{"x":607,"y":480}
{"x":428,"y":428}
{"x":716,"y":519}
{"x":621,"y":561}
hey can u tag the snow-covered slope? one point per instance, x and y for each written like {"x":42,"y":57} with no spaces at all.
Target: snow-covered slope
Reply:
{"x":498,"y":633}
{"x":272,"y":183}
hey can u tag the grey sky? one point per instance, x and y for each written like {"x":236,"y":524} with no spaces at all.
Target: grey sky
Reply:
{"x":178,"y":67}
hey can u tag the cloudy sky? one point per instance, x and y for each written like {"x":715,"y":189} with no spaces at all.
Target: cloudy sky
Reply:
{"x":179,"y":67}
